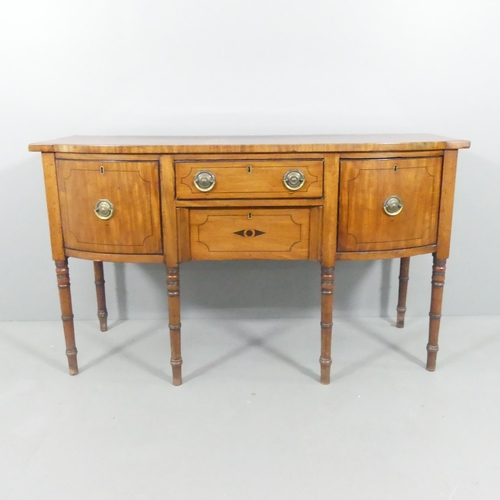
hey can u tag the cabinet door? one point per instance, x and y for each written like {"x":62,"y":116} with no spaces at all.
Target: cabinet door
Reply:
{"x":388,"y":204}
{"x":110,"y":206}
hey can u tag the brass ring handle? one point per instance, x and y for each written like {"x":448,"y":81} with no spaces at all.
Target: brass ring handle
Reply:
{"x":294,"y":179}
{"x":104,"y":209}
{"x":204,"y":180}
{"x":393,"y":205}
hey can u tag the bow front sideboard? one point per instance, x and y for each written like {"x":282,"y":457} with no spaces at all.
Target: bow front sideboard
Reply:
{"x":322,"y":198}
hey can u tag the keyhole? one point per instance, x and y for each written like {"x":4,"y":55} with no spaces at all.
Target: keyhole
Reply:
{"x":249,"y":169}
{"x":249,"y":215}
{"x":395,"y":168}
{"x":101,"y":169}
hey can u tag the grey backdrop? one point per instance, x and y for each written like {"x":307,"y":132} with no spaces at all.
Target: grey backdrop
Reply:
{"x":259,"y":67}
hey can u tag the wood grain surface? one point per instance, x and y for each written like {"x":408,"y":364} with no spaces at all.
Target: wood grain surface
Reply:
{"x":133,"y":189}
{"x":249,"y":179}
{"x":280,"y":233}
{"x":160,"y":216}
{"x":248,"y":144}
{"x":366,"y":184}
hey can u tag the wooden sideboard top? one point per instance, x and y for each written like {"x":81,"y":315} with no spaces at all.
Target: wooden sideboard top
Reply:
{"x":248,"y":144}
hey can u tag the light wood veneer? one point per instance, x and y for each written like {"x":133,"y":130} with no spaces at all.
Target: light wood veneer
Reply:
{"x":359,"y":198}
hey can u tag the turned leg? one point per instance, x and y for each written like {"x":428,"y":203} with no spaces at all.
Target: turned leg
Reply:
{"x":326,"y":323}
{"x":102,"y":312}
{"x":404,"y":270}
{"x":438,"y":274}
{"x":174,"y":319}
{"x":62,"y":272}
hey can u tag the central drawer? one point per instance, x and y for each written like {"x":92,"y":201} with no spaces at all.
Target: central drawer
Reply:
{"x":254,"y":178}
{"x":275,"y":233}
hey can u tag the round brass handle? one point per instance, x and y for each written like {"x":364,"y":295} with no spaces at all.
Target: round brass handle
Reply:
{"x":393,"y":205}
{"x":104,"y":209}
{"x":294,"y":179}
{"x":204,"y":180}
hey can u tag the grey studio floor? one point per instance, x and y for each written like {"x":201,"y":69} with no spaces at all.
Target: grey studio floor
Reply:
{"x":251,"y":420}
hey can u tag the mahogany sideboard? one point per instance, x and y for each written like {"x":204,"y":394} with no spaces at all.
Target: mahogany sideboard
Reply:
{"x":322,"y":198}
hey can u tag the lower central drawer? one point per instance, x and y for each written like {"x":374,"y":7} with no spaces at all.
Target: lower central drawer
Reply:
{"x":277,"y":233}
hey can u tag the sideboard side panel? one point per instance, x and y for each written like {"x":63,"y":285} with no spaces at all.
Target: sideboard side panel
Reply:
{"x":330,"y":209}
{"x":183,"y":234}
{"x":168,"y":209}
{"x":53,"y":209}
{"x":446,"y":206}
{"x":315,"y":227}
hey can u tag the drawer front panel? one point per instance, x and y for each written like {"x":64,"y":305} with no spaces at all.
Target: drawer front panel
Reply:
{"x":367,"y":185}
{"x":249,"y":179}
{"x":132,"y":189}
{"x":279,"y":233}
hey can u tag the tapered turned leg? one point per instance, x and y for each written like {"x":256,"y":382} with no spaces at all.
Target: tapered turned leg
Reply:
{"x":438,"y":274}
{"x":404,"y":270}
{"x":62,"y":272}
{"x":326,"y":323}
{"x":102,"y":312}
{"x":174,"y":319}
